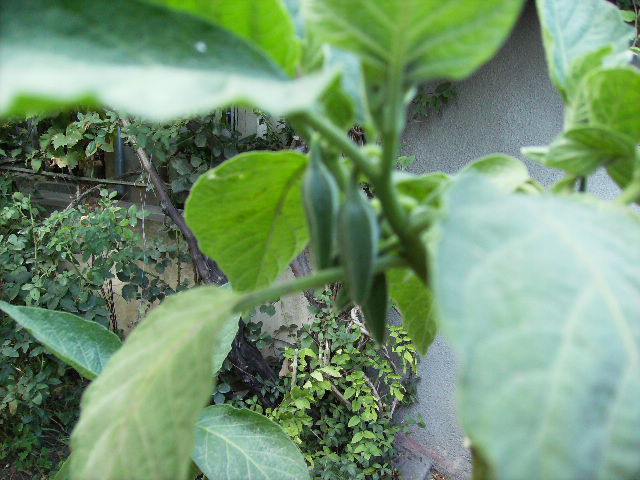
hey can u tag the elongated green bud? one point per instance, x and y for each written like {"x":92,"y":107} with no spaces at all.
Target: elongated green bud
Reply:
{"x":358,"y":236}
{"x":320,"y":195}
{"x":376,"y":307}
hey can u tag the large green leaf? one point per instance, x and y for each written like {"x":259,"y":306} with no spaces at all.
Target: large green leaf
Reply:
{"x":248,"y":215}
{"x":85,"y":345}
{"x":137,"y":417}
{"x":581,"y":150}
{"x":580,"y":36}
{"x":267,"y":23}
{"x":233,"y":444}
{"x":415,"y":302}
{"x":120,"y":53}
{"x":427,"y":38}
{"x":540,"y":297}
{"x":613,"y":99}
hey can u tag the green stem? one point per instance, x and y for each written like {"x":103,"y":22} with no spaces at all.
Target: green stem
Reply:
{"x":338,"y":138}
{"x":631,"y":192}
{"x":413,"y":248}
{"x":309,"y":282}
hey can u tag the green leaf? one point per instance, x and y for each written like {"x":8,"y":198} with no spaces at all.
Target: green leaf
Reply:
{"x":622,"y":171}
{"x":628,"y":15}
{"x":223,"y":343}
{"x":426,"y":38}
{"x":266,"y":23}
{"x":540,"y":298}
{"x":351,"y":81}
{"x":83,"y":344}
{"x":613,"y":98}
{"x":353,"y":421}
{"x":580,"y":151}
{"x":424,"y":189}
{"x":63,"y":53}
{"x":248,"y":215}
{"x":138,"y":415}
{"x":64,"y":473}
{"x":504,"y":172}
{"x":415,"y":303}
{"x":573,"y":31}
{"x":234,"y":444}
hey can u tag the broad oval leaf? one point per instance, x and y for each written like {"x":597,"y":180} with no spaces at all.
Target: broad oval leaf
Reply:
{"x":426,"y":38}
{"x":234,"y":443}
{"x":137,"y":417}
{"x":573,"y":31}
{"x":505,"y":172}
{"x":266,"y":23}
{"x":248,"y":215}
{"x":540,"y":297}
{"x":415,"y":303}
{"x":613,"y":99}
{"x":58,"y":54}
{"x":83,"y":344}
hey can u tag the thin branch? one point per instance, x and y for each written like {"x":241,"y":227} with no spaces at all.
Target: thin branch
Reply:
{"x":76,"y":201}
{"x":199,"y":260}
{"x":64,"y":176}
{"x":384,"y":350}
{"x":294,"y":370}
{"x":339,"y":396}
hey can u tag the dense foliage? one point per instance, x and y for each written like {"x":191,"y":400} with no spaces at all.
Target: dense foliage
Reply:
{"x":337,"y":391}
{"x":64,"y":260}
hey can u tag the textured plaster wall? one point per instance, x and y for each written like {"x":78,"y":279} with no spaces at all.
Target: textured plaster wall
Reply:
{"x":507,"y":104}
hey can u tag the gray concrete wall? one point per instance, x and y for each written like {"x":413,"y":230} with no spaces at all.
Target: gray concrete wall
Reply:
{"x":507,"y":104}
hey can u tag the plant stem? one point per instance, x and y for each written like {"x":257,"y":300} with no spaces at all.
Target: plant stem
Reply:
{"x":315,"y":280}
{"x":631,"y":192}
{"x":338,"y":138}
{"x":412,"y":247}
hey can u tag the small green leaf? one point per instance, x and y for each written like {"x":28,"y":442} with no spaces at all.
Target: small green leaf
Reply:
{"x":628,"y":15}
{"x":61,"y":54}
{"x":582,"y":150}
{"x":414,"y":300}
{"x":85,"y":345}
{"x":138,"y":415}
{"x":331,"y":371}
{"x":234,"y":444}
{"x":540,"y":297}
{"x":353,"y":421}
{"x":248,"y":215}
{"x":223,"y":344}
{"x":424,"y":189}
{"x":505,"y":172}
{"x":574,"y":30}
{"x":317,"y":374}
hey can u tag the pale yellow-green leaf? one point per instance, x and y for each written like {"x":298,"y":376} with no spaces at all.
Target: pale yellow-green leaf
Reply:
{"x":248,"y":215}
{"x":137,"y":417}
